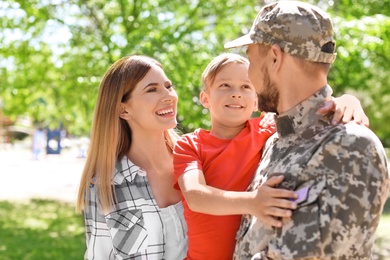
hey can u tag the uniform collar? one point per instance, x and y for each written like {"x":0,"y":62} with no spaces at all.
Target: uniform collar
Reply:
{"x":298,"y":118}
{"x":126,"y":170}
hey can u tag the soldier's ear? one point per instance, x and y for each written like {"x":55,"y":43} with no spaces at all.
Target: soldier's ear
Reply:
{"x":276,"y":56}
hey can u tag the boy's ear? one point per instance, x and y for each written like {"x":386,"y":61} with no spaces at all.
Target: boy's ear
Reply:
{"x":256,"y":108}
{"x":204,"y":99}
{"x":123,"y":113}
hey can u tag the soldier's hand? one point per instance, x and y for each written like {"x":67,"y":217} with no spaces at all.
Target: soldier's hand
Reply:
{"x":273,"y":203}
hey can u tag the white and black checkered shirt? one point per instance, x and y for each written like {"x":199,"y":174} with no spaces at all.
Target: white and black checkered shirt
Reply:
{"x":134,"y":228}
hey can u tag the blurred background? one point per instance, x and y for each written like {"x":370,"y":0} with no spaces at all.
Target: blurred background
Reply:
{"x":53,"y":54}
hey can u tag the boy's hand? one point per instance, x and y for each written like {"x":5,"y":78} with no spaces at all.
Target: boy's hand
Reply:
{"x":347,"y":108}
{"x":273,"y":203}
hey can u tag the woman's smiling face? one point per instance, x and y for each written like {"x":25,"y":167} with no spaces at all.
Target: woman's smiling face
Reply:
{"x":153,"y":103}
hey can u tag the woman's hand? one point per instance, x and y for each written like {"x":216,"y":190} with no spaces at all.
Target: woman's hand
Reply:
{"x":346,"y":108}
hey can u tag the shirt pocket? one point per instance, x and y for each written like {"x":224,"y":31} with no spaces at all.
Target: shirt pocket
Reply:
{"x":314,"y":188}
{"x":128,"y":232}
{"x":302,"y":233}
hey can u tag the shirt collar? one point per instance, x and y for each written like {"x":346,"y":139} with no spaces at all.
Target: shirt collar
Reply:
{"x":298,"y":118}
{"x":126,"y":170}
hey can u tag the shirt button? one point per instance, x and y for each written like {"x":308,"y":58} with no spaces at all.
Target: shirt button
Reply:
{"x":141,"y":172}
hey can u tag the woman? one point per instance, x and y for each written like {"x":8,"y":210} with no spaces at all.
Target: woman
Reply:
{"x":141,"y":214}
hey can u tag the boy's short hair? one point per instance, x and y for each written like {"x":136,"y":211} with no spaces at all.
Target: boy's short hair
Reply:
{"x":217,"y":64}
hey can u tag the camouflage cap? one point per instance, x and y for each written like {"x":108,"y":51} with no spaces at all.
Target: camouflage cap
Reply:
{"x":300,"y":29}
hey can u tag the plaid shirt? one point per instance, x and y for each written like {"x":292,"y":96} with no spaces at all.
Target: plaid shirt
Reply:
{"x":134,"y":228}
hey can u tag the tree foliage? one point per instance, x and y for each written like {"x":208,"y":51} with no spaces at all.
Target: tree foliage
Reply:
{"x":361,"y":68}
{"x":53,"y":53}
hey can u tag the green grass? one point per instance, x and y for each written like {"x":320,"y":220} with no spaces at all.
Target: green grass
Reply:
{"x":40,"y":229}
{"x":47,"y":229}
{"x":382,"y":243}
{"x":384,"y":227}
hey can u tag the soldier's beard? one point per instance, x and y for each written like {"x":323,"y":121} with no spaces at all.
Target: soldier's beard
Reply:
{"x":268,"y":99}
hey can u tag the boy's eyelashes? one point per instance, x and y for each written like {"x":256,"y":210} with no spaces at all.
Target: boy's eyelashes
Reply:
{"x":228,"y":86}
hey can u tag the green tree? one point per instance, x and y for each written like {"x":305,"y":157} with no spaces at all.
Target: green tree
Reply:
{"x":53,"y":53}
{"x":59,"y":51}
{"x":361,"y":68}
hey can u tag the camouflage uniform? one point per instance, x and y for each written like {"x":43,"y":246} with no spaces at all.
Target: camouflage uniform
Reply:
{"x":345,"y":169}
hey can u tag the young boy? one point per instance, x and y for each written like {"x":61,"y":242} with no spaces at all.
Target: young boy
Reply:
{"x":214,"y":168}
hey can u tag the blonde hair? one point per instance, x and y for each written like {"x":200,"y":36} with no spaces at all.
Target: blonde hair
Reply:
{"x":216,"y":64}
{"x":111,"y":135}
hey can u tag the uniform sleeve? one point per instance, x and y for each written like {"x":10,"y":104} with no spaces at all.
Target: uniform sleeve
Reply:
{"x":186,"y":156}
{"x":348,"y":186}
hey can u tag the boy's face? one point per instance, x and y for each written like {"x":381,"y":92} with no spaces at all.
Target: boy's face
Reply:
{"x":231,"y":98}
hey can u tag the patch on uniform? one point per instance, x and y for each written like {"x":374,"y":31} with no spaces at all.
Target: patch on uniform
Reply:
{"x":302,"y":195}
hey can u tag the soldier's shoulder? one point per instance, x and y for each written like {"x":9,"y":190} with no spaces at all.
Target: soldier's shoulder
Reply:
{"x":361,"y":135}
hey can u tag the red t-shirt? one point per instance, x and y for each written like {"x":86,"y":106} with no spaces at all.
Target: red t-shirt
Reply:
{"x":227,"y":165}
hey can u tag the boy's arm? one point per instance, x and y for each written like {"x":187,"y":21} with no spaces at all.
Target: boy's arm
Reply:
{"x":346,"y":108}
{"x":266,"y":203}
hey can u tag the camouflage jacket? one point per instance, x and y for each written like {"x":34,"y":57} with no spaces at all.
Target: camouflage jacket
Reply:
{"x":344,"y":171}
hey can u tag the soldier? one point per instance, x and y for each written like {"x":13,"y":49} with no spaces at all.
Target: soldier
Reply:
{"x":339,"y":171}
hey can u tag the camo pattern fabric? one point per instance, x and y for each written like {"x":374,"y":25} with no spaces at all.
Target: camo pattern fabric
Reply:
{"x":345,"y":170}
{"x":299,"y":28}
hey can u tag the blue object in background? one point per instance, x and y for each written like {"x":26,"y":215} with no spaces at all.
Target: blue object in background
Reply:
{"x":53,"y":141}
